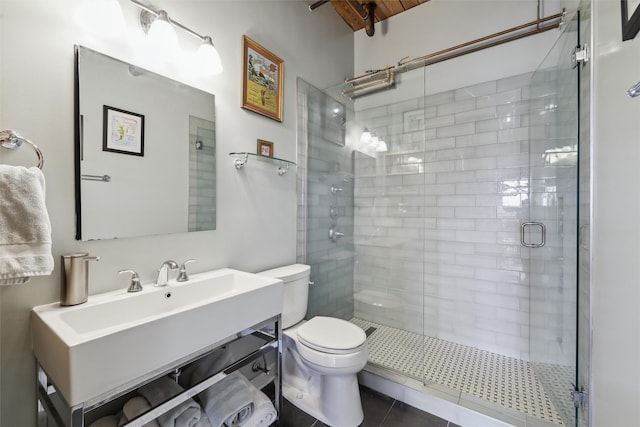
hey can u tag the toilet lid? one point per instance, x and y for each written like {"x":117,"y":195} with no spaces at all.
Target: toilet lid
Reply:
{"x":331,"y":335}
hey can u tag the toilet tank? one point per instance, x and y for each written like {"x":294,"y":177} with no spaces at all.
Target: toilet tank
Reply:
{"x":296,"y":291}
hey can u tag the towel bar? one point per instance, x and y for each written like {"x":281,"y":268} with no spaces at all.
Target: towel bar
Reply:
{"x":12,"y":140}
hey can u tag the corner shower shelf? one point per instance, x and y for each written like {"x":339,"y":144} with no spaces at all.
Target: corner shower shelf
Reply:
{"x":240,"y":162}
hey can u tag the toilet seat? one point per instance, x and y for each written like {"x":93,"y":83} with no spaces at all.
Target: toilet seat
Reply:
{"x":331,"y":335}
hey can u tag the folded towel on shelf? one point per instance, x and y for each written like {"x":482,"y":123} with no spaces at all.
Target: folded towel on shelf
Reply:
{"x":25,"y":229}
{"x":108,"y":421}
{"x":233,"y":402}
{"x":264,"y":413}
{"x":205,"y":367}
{"x":187,"y":414}
{"x":134,"y":407}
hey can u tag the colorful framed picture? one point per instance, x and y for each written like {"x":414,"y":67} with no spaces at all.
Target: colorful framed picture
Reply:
{"x":262,"y":80}
{"x":265,"y":148}
{"x":123,"y":131}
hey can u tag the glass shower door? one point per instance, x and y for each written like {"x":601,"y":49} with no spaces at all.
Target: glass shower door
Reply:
{"x":552,"y":232}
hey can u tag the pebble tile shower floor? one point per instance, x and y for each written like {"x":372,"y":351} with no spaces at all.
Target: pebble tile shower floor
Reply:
{"x":499,"y":379}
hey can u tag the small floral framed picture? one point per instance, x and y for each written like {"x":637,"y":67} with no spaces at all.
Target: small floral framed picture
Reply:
{"x":123,"y":131}
{"x":265,"y":148}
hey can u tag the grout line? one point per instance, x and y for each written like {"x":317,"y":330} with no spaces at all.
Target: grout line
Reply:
{"x":388,"y":412}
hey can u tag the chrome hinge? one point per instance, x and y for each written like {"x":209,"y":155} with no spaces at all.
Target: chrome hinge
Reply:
{"x":580,"y":55}
{"x":579,"y":397}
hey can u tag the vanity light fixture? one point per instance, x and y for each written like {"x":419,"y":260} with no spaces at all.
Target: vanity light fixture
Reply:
{"x":365,"y":138}
{"x":160,"y":29}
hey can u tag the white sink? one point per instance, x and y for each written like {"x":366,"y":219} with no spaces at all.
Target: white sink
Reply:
{"x":117,"y":338}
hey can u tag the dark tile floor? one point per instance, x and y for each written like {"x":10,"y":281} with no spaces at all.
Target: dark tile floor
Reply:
{"x":379,"y":411}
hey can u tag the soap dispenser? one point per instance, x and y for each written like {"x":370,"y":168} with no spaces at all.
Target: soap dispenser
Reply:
{"x":75,"y":278}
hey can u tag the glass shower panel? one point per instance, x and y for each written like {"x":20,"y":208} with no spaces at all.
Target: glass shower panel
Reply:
{"x":329,"y":205}
{"x":389,"y":228}
{"x":554,"y":145}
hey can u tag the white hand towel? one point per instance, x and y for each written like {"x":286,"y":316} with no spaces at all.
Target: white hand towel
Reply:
{"x":25,"y":229}
{"x":205,"y":367}
{"x":264,"y":413}
{"x":108,"y":421}
{"x":235,"y":402}
{"x":186,"y":414}
{"x":134,"y":407}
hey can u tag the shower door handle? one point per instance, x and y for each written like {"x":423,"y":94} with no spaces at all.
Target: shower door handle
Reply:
{"x":543,"y":234}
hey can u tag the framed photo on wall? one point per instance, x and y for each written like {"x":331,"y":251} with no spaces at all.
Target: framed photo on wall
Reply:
{"x":123,"y":131}
{"x":265,"y":148}
{"x":630,"y":12}
{"x":262,"y":80}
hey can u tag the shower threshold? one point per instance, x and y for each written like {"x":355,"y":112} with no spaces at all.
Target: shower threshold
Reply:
{"x":501,"y":387}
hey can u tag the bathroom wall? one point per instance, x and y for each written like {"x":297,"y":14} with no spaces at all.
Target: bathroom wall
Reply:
{"x":615,"y":231}
{"x":256,"y":223}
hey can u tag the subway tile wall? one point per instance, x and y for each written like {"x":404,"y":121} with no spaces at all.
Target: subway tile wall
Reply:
{"x":202,"y":174}
{"x":437,"y":217}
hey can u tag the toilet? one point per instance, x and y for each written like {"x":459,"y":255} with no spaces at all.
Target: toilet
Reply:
{"x":320,"y":357}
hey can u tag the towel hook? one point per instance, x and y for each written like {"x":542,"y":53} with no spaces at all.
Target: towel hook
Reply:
{"x":12,"y":140}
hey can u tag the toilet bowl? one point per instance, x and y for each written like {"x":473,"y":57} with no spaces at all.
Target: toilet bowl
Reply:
{"x":320,"y":357}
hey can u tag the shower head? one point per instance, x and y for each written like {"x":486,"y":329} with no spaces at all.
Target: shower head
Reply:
{"x":634,"y":90}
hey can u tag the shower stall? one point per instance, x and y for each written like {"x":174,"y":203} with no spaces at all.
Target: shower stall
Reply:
{"x":452,"y":226}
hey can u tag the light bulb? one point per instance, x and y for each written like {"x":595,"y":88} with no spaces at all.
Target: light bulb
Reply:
{"x":381,"y":147}
{"x":365,"y":138}
{"x":103,"y":17}
{"x":207,"y":58}
{"x":163,"y":40}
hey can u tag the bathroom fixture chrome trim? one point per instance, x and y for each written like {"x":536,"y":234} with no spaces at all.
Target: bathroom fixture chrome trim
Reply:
{"x":149,"y":14}
{"x":634,"y":90}
{"x":240,"y":162}
{"x":12,"y":140}
{"x":543,"y":230}
{"x":182,"y":273}
{"x":335,"y":189}
{"x":163,"y":273}
{"x":105,"y":178}
{"x":334,"y":234}
{"x":135,"y":285}
{"x":378,"y":79}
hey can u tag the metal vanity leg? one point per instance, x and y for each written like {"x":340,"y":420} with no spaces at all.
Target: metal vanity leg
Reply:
{"x":47,"y":409}
{"x":278,"y":379}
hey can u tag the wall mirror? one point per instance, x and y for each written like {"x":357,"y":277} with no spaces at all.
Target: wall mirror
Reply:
{"x":145,"y":152}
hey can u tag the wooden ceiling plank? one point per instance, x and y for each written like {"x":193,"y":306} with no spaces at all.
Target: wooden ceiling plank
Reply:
{"x":348,"y":14}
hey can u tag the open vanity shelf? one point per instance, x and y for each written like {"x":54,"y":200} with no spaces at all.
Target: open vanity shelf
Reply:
{"x":242,"y":158}
{"x":262,"y":339}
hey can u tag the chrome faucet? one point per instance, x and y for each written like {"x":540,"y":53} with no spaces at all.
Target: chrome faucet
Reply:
{"x":183,"y":276}
{"x":163,"y":272}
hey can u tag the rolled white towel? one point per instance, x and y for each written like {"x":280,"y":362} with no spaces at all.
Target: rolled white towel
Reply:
{"x":229,"y":402}
{"x":187,"y":414}
{"x":108,"y":421}
{"x":134,"y":407}
{"x":264,"y":413}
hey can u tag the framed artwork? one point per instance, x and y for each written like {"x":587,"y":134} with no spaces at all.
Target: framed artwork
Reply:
{"x":630,"y":12}
{"x":262,"y":80}
{"x":123,"y":131}
{"x":265,"y":148}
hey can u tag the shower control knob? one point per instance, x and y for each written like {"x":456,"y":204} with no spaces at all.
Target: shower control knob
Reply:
{"x":334,"y":235}
{"x":335,"y":189}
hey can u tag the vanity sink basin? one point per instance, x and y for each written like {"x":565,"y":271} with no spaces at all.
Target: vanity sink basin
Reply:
{"x":118,"y":339}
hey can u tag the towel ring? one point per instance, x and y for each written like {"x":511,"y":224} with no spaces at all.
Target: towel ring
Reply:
{"x":12,"y":140}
